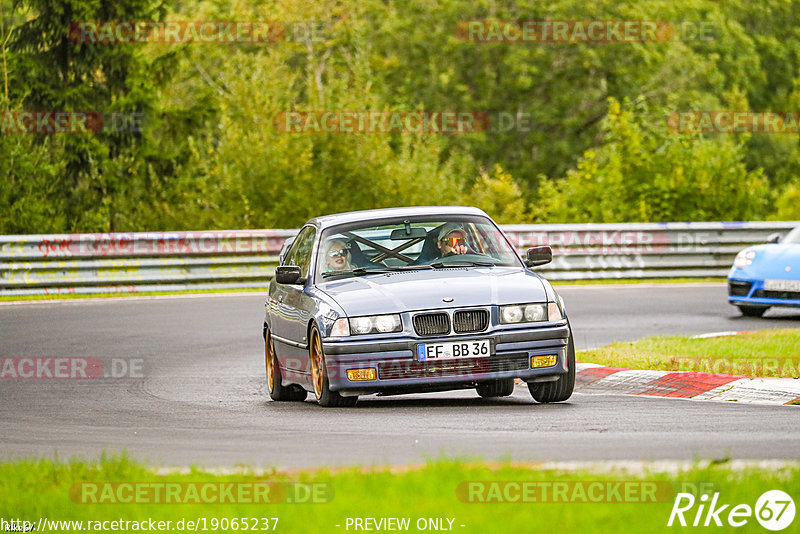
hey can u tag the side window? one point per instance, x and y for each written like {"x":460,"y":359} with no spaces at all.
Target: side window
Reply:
{"x":285,"y":249}
{"x":300,"y":252}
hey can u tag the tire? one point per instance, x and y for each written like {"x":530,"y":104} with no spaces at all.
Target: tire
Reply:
{"x":753,"y":311}
{"x":276,"y":390}
{"x":319,"y":375}
{"x":561,"y":389}
{"x":496,"y":388}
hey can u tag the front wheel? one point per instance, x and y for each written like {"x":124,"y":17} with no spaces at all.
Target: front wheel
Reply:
{"x":319,"y":376}
{"x":277,"y":391}
{"x":753,"y":311}
{"x":561,"y":389}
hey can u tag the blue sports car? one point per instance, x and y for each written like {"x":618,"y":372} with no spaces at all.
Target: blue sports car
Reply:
{"x":766,"y":275}
{"x":408,"y":300}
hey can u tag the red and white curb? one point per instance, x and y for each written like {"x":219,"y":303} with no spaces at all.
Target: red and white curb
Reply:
{"x":593,"y":378}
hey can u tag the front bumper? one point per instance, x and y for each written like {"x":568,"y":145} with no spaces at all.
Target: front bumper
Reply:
{"x":398,"y":369}
{"x":742,"y":292}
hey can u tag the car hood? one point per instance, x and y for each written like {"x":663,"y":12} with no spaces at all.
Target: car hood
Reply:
{"x":772,"y":260}
{"x":424,"y":290}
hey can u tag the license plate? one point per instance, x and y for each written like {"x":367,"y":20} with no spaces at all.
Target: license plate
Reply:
{"x":782,"y":285}
{"x":473,"y":348}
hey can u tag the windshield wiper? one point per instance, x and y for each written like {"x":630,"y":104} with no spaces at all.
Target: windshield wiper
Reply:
{"x":442,"y":265}
{"x":358,"y":271}
{"x":411,"y":267}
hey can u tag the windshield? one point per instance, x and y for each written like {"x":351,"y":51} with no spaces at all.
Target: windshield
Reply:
{"x":412,"y":243}
{"x":792,"y":237}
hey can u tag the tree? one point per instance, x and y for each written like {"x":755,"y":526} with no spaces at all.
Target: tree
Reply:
{"x":646,"y":173}
{"x":499,"y":195}
{"x":55,"y":73}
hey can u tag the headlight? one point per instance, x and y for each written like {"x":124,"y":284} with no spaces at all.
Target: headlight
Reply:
{"x":387,"y":323}
{"x":380,"y":324}
{"x":744,"y":258}
{"x":511,"y":314}
{"x":361,"y":325}
{"x":529,"y":313}
{"x":535,"y":312}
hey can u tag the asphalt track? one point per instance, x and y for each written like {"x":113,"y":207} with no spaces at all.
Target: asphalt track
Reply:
{"x":201,"y":398}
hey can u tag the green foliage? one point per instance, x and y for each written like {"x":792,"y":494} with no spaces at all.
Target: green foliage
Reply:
{"x":55,"y":73}
{"x":252,"y":174}
{"x":28,"y":176}
{"x":644,"y":172}
{"x":559,"y":90}
{"x":787,"y":204}
{"x":210,"y":156}
{"x":499,"y":195}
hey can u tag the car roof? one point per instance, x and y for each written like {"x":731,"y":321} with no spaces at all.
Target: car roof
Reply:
{"x":326,"y":221}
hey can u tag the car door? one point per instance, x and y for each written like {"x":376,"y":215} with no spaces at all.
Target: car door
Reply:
{"x":293,"y":307}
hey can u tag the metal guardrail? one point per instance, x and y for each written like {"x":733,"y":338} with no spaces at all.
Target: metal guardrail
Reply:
{"x":138,"y":262}
{"x":643,"y":250}
{"x":169,"y":261}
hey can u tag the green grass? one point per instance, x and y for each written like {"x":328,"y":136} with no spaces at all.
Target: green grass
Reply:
{"x":33,"y":489}
{"x":766,"y":353}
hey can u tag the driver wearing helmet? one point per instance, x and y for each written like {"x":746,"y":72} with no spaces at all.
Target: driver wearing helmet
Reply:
{"x":452,"y":240}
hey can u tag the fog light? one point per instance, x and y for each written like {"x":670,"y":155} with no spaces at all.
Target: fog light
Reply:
{"x":354,"y":375}
{"x":542,"y":361}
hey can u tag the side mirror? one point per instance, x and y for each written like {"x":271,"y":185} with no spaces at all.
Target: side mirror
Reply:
{"x":288,"y":274}
{"x":538,"y":256}
{"x":774,"y":238}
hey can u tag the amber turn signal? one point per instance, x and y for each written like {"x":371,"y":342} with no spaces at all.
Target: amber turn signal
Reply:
{"x":354,"y":375}
{"x":542,"y":361}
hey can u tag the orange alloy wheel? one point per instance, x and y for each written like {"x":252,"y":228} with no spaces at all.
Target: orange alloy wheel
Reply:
{"x":269,"y":350}
{"x":317,"y":374}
